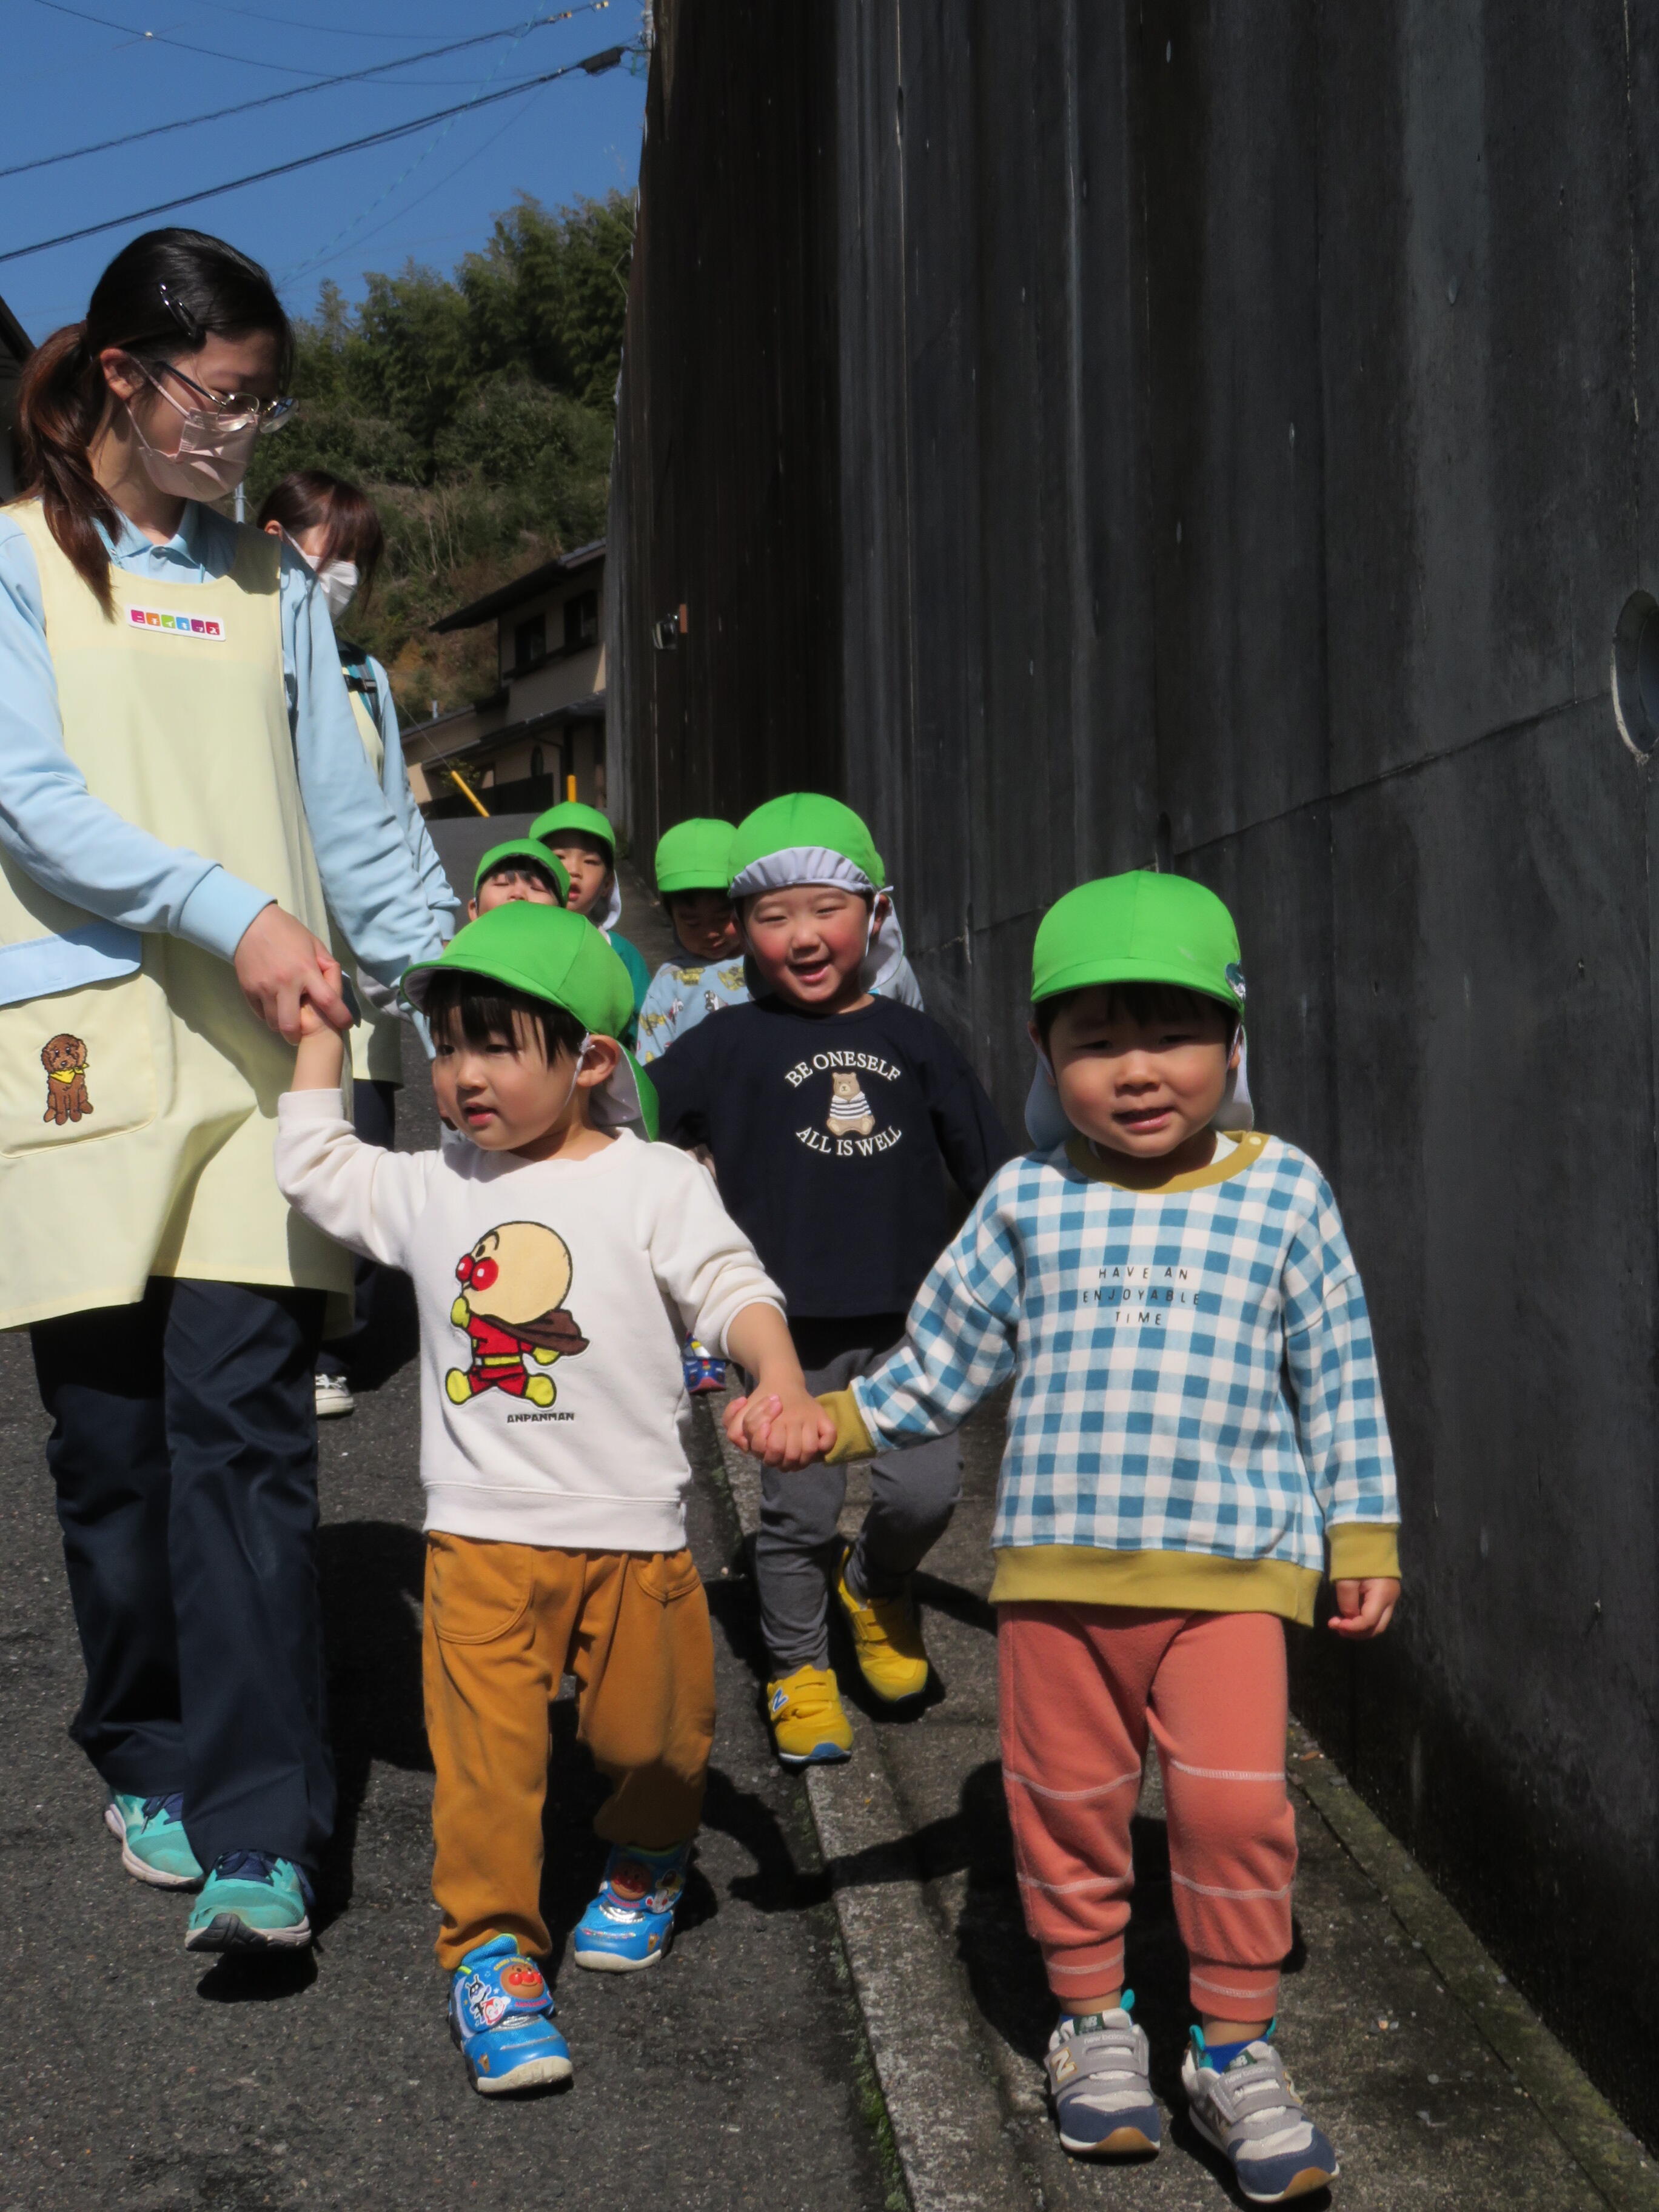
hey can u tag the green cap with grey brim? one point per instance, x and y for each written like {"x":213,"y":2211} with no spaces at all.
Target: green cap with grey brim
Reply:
{"x":586,"y":825}
{"x":806,"y":838}
{"x":522,"y":848}
{"x":694,"y":856}
{"x":549,"y":954}
{"x":1140,"y":927}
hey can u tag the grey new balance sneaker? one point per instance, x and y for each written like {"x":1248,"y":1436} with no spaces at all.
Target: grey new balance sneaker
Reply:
{"x":1097,"y":2068}
{"x":1252,"y":2114}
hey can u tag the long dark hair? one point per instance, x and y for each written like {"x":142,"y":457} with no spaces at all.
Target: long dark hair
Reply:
{"x":307,"y":497}
{"x":161,"y":297}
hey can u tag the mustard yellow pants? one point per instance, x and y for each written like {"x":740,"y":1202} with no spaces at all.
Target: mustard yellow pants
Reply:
{"x":504,"y":1622}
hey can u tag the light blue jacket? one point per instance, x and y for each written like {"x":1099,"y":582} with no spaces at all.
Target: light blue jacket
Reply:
{"x":78,"y":846}
{"x":394,"y":782}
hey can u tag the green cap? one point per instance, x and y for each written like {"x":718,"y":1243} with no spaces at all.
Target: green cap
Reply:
{"x":694,"y":856}
{"x":551,"y":954}
{"x":1138,"y":928}
{"x":522,"y":848}
{"x":585,"y":822}
{"x":804,"y":838}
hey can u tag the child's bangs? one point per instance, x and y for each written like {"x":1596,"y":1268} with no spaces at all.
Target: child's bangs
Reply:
{"x":1161,"y":1004}
{"x":472,"y":1010}
{"x":523,"y":871}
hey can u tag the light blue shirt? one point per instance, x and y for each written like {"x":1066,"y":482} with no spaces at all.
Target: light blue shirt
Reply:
{"x":78,"y":846}
{"x":440,"y":892}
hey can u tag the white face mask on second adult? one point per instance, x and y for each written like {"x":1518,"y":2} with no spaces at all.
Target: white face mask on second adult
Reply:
{"x":338,"y":582}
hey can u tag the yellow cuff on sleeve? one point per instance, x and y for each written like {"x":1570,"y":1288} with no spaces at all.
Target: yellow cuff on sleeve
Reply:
{"x":1360,"y":1549}
{"x":852,"y":1439}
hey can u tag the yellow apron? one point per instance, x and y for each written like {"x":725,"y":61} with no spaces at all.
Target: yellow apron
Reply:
{"x":377,"y":1041}
{"x":138,"y":1112}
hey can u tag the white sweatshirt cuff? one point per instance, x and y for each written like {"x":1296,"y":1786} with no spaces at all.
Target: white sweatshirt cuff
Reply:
{"x":705,"y":1330}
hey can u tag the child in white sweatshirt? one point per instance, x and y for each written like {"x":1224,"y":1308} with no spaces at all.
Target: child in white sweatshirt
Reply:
{"x":558,"y":1262}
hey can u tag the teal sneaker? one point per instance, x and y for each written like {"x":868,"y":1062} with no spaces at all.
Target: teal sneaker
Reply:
{"x":154,"y":1845}
{"x":252,"y":1902}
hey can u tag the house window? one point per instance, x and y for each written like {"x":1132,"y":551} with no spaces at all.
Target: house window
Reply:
{"x":530,"y":642}
{"x":537,"y":763}
{"x":581,"y":620}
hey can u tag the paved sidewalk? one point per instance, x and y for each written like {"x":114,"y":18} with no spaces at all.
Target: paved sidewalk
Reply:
{"x":1423,"y":2112}
{"x":134,"y":2078}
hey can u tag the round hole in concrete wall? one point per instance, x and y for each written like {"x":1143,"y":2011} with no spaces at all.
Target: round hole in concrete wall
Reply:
{"x":1636,"y":673}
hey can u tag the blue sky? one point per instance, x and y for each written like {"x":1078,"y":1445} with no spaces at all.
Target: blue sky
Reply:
{"x":69,"y":81}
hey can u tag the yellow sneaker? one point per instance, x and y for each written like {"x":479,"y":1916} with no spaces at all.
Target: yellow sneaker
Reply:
{"x":809,"y":1728}
{"x":886,"y":1641}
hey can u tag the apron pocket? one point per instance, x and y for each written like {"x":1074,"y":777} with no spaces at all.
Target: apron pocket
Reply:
{"x":76,"y":1065}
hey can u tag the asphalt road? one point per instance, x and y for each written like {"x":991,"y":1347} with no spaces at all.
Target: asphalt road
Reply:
{"x":732,"y":2075}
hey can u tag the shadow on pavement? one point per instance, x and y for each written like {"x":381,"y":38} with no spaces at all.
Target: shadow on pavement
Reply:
{"x":266,"y":1978}
{"x":371,"y":1573}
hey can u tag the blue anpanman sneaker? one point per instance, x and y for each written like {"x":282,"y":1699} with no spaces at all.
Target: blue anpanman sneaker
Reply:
{"x":252,"y":1902}
{"x":154,"y":1845}
{"x":1097,"y":2065}
{"x":501,"y":2014}
{"x":630,"y":1923}
{"x":1249,"y":2111}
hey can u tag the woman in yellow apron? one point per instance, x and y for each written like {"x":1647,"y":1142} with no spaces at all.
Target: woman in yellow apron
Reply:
{"x":334,"y":528}
{"x":183,"y":796}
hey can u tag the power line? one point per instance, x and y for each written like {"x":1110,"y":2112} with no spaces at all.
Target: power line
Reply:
{"x":590,"y":65}
{"x":514,"y":31}
{"x":430,"y":146}
{"x":291,"y":23}
{"x":162,"y":38}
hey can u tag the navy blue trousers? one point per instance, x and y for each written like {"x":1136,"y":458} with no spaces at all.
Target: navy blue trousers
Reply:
{"x":183,"y":1450}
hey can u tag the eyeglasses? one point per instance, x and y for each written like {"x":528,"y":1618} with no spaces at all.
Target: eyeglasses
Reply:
{"x":224,"y":410}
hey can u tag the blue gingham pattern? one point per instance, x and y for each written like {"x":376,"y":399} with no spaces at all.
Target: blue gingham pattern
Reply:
{"x":1192,"y":1371}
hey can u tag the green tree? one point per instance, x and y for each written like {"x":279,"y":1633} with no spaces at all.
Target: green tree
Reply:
{"x":476,"y":408}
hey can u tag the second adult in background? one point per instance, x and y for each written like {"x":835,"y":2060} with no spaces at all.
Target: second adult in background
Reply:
{"x":332,"y":525}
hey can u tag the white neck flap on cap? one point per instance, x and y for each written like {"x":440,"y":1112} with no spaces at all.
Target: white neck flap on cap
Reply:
{"x":1046,"y":1127}
{"x":607,"y":920}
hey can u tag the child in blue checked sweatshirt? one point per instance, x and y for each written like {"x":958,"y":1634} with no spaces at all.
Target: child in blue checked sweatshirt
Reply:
{"x":1195,"y":1437}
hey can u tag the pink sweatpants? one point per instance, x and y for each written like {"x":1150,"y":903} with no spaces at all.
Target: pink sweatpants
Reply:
{"x":1081,"y":1686}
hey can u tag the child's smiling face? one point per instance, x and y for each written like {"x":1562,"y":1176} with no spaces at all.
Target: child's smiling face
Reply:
{"x":705,"y":923}
{"x":809,"y":943}
{"x":1141,"y":1070}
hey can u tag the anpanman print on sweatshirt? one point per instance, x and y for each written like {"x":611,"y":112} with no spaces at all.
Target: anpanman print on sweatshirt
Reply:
{"x":515,"y":1282}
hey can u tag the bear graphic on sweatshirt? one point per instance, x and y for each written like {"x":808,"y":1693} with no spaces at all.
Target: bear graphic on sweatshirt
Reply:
{"x":849,"y":1110}
{"x":515,"y":1282}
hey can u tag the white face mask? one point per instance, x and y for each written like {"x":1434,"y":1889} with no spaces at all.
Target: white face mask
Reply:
{"x":210,"y":462}
{"x":338,"y":582}
{"x":335,"y":579}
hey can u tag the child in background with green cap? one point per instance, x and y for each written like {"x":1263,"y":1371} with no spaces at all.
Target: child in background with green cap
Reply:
{"x":693,"y":871}
{"x":558,"y":1260}
{"x":835,"y":1116}
{"x":520,"y":869}
{"x":1196,"y":1437}
{"x":583,"y":841}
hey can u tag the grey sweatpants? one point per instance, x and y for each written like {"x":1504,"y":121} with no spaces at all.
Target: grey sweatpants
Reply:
{"x":913,"y":1494}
